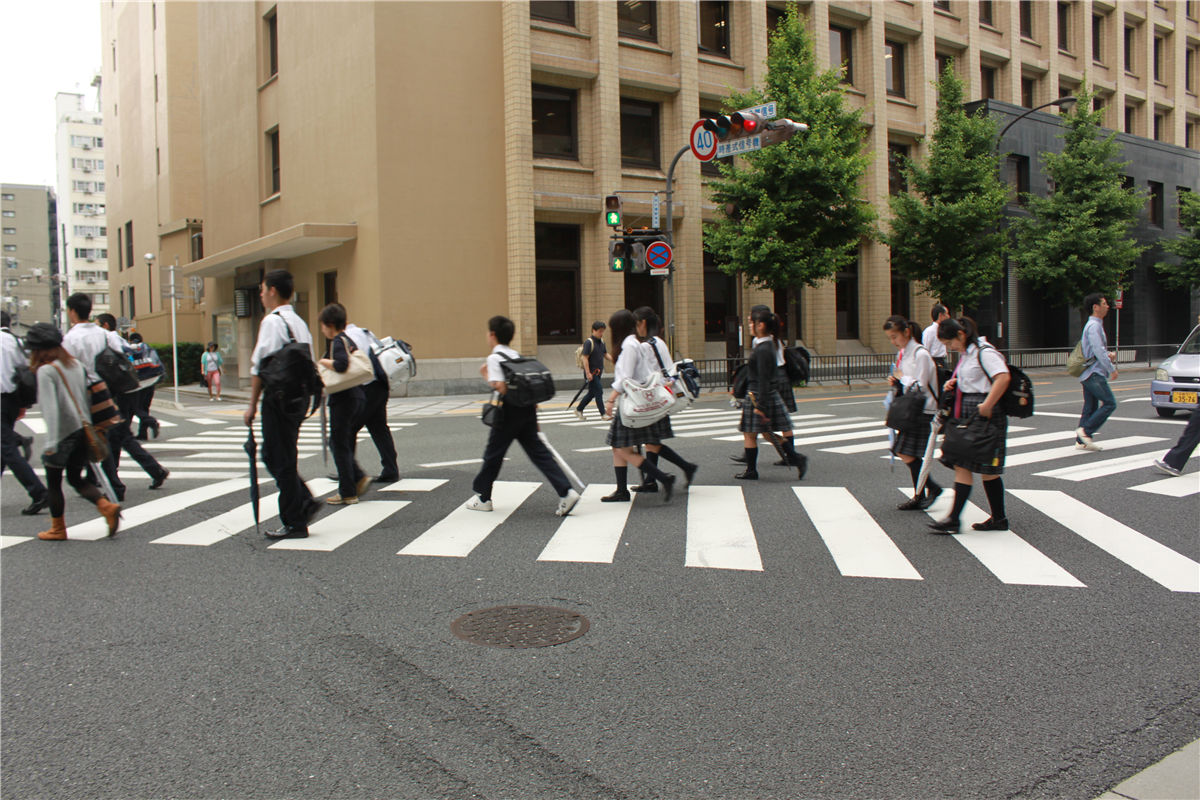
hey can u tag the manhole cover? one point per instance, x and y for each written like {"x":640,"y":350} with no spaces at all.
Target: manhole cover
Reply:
{"x":520,"y":626}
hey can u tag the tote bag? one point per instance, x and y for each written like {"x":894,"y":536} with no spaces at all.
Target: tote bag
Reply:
{"x":359,"y":371}
{"x":643,"y":404}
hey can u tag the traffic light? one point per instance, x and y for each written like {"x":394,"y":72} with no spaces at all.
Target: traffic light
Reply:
{"x":637,"y":255}
{"x":612,"y":210}
{"x":618,"y":255}
{"x":721,"y":126}
{"x":746,"y":123}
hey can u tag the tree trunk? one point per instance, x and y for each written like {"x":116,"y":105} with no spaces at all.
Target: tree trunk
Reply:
{"x":791,"y":316}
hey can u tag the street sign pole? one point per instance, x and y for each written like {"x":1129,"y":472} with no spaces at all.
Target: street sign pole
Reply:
{"x":174,"y":337}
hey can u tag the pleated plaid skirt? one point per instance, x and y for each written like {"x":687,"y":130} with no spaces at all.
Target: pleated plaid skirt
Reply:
{"x":621,"y":436}
{"x":785,"y":393}
{"x":912,"y":443}
{"x":995,"y":466}
{"x":777,"y":416}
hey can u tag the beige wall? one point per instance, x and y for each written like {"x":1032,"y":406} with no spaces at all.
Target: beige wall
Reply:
{"x":27,"y":281}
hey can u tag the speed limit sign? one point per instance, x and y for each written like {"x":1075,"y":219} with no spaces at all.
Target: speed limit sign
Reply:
{"x":704,"y":143}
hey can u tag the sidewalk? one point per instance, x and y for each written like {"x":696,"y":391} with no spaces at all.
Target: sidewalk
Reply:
{"x":1176,"y":777}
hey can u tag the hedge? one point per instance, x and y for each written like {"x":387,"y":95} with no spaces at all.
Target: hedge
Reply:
{"x":189,"y":356}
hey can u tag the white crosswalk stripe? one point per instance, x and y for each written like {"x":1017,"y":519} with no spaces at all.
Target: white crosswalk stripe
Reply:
{"x":859,"y":546}
{"x":241,"y":518}
{"x":334,"y":530}
{"x":719,"y":535}
{"x":143,"y":513}
{"x":1181,"y":486}
{"x":1109,"y":466}
{"x":592,"y":532}
{"x":463,"y":530}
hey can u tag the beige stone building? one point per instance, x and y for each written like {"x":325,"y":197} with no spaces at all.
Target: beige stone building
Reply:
{"x":430,"y":164}
{"x":29,"y":261}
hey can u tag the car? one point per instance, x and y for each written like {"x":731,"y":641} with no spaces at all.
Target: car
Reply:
{"x":1176,"y":384}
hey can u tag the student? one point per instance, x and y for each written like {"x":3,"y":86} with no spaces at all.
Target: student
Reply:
{"x":763,"y":411}
{"x":62,"y":396}
{"x":11,"y":442}
{"x":212,"y":365}
{"x":635,"y":362}
{"x":595,"y":351}
{"x":648,"y":326}
{"x":345,"y":409}
{"x":120,"y":436}
{"x":929,"y":337}
{"x":374,"y":413}
{"x":280,"y":427}
{"x":782,"y":382}
{"x":979,"y":381}
{"x":915,"y":366}
{"x":1176,"y":458}
{"x":147,"y":422}
{"x":517,"y":423}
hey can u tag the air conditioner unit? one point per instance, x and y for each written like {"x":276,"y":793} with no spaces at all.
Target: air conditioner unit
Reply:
{"x":87,"y":169}
{"x":91,"y":260}
{"x":91,"y":280}
{"x":87,"y":147}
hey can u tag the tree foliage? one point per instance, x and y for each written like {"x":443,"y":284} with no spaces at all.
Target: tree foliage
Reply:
{"x":1079,"y":239}
{"x":795,"y":213}
{"x":1186,"y":273}
{"x":945,"y":229}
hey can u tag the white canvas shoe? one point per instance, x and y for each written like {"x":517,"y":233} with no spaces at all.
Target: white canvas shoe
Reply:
{"x":566,"y":503}
{"x":1165,"y":468}
{"x":1088,"y":445}
{"x":475,"y":504}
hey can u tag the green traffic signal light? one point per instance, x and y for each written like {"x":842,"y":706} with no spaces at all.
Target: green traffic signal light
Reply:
{"x":618,"y":265}
{"x":613,"y":218}
{"x":612,"y":210}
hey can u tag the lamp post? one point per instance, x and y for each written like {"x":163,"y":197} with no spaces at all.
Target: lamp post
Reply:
{"x":174,"y":341}
{"x":1063,"y":103}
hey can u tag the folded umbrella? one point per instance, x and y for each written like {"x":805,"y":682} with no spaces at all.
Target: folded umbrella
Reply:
{"x":927,"y":460}
{"x":251,"y":448}
{"x":579,"y":392}
{"x":566,"y":468}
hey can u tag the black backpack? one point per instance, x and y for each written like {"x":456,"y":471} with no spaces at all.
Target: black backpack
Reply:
{"x":290,"y":378}
{"x":795,"y":364}
{"x":529,"y":382}
{"x":117,"y":371}
{"x":1017,"y":400}
{"x":25,"y":381}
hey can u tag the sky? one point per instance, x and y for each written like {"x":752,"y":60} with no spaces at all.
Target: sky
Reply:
{"x":49,"y":46}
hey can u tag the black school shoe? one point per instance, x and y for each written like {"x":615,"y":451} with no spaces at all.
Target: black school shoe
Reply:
{"x":668,"y":487}
{"x":35,"y":506}
{"x":649,"y":487}
{"x":387,"y":478}
{"x":929,"y":498}
{"x":945,"y":526}
{"x":617,"y":497}
{"x":748,"y":475}
{"x":288,"y":532}
{"x":992,"y":524}
{"x":158,"y":482}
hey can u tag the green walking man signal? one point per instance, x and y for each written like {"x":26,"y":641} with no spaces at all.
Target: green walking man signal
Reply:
{"x":612,"y":210}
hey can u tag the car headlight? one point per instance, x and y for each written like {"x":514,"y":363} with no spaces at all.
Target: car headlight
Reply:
{"x":1161,"y":375}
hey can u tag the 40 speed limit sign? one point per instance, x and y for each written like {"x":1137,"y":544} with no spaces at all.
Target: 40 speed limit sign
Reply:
{"x":704,"y":143}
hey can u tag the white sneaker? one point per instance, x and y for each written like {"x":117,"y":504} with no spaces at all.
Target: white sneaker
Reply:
{"x":475,"y":504}
{"x":1165,"y":468}
{"x":1088,"y":445}
{"x":1080,"y":436}
{"x":565,"y":504}
{"x":578,"y":414}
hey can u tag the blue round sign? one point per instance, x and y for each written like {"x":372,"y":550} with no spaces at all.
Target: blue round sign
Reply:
{"x":658,"y":255}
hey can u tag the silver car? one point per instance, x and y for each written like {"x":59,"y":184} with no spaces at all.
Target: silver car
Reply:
{"x":1176,"y":383}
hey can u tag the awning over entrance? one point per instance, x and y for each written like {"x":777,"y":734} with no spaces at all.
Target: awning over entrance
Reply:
{"x":298,"y":240}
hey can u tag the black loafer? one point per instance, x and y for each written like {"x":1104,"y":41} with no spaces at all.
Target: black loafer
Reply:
{"x":945,"y":526}
{"x":801,"y":466}
{"x":992,"y":524}
{"x":689,"y":473}
{"x":748,"y":475}
{"x":929,"y":498}
{"x":158,"y":482}
{"x":288,"y":532}
{"x":912,"y":505}
{"x":35,"y":506}
{"x":650,"y":487}
{"x":617,"y":497}
{"x":668,"y":488}
{"x":387,"y":479}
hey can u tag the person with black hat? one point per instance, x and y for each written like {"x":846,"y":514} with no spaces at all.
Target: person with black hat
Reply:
{"x":11,"y":442}
{"x":62,"y":393}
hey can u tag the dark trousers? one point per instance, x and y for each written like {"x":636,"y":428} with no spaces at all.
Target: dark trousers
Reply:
{"x":519,"y":424}
{"x":374,"y":417}
{"x":77,"y":462}
{"x":10,"y":449}
{"x":1178,"y":455}
{"x":345,"y":413}
{"x":280,"y":434}
{"x":594,"y":390}
{"x":143,"y":399}
{"x":120,"y":437}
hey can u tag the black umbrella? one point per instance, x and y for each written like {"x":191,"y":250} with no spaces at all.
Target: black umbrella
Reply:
{"x":576,"y":397}
{"x":251,"y":448}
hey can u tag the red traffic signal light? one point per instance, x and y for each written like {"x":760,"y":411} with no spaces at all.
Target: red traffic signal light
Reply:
{"x":748,"y":121}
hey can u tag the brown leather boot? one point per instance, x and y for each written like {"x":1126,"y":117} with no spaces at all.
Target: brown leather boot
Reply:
{"x":111,"y":513}
{"x":57,"y":532}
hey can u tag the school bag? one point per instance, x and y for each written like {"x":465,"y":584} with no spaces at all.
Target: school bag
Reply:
{"x":529,"y":381}
{"x":796,"y":364}
{"x":1076,"y":363}
{"x":290,"y":377}
{"x":25,"y":381}
{"x":687,"y":374}
{"x":581,"y":359}
{"x":1017,"y":400}
{"x":148,"y":365}
{"x":117,"y":371}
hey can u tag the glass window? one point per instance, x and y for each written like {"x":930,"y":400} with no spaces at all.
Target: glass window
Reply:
{"x":774,"y":17}
{"x":1159,"y":126}
{"x":987,"y":77}
{"x":714,"y":27}
{"x":638,"y":19}
{"x":893,"y":54}
{"x":272,"y":21}
{"x":1129,"y":33}
{"x":943,"y":60}
{"x":944,"y":5}
{"x":1064,"y":26}
{"x":273,"y":152}
{"x":1189,"y":69}
{"x":1130,"y":118}
{"x":1189,"y":135}
{"x":1155,"y":203}
{"x":129,"y":243}
{"x":1027,"y":92}
{"x":1017,"y":177}
{"x":841,"y":51}
{"x":720,"y":301}
{"x":1097,"y":38}
{"x":553,"y":10}
{"x":554,"y":122}
{"x":846,"y":302}
{"x":639,"y":134}
{"x":556,"y":249}
{"x":1158,"y":58}
{"x":10,"y":231}
{"x":985,"y":12}
{"x":897,"y":156}
{"x":1026,"y":18}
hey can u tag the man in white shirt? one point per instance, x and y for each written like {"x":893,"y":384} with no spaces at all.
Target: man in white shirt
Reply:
{"x":929,"y":337}
{"x":280,"y":426}
{"x":374,"y":414}
{"x":11,"y":442}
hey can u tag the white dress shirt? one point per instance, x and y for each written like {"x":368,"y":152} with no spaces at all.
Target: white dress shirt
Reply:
{"x":932,"y":343}
{"x":10,"y":356}
{"x":636,"y":363}
{"x":86,"y":340}
{"x":916,"y":366}
{"x":970,"y":373}
{"x":273,"y":335}
{"x":494,"y":373}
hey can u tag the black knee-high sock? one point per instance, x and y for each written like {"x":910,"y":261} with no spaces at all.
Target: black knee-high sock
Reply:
{"x":673,"y":457}
{"x":651,"y":460}
{"x":914,"y":469}
{"x":961,"y":492}
{"x":789,"y":447}
{"x":622,"y":478}
{"x":995,"y":496}
{"x":751,"y":459}
{"x":651,"y":469}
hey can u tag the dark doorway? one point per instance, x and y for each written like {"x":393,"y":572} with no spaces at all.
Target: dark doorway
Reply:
{"x":643,"y":289}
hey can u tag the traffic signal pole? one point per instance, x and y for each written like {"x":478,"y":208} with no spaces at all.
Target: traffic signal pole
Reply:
{"x":668,"y":232}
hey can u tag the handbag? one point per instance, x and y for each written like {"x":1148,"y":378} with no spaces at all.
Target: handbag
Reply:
{"x":96,"y":443}
{"x":493,"y":411}
{"x":677,"y":387}
{"x":973,"y":440}
{"x":643,"y":404}
{"x":907,"y":411}
{"x":357,"y":373}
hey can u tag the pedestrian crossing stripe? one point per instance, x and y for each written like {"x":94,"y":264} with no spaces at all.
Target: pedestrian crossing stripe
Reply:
{"x":1181,"y":486}
{"x":332,"y":531}
{"x":719,"y":534}
{"x":859,"y":546}
{"x":592,"y":532}
{"x":463,"y":530}
{"x":1109,"y":466}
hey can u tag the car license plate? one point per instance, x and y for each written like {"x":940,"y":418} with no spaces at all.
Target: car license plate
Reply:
{"x":1186,"y":398}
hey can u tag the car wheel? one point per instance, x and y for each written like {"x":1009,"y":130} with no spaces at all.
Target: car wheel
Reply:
{"x":1165,"y":412}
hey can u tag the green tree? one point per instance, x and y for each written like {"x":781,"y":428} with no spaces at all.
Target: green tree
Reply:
{"x":1186,"y":273}
{"x":945,"y":229}
{"x":1079,"y":239}
{"x":795,"y":213}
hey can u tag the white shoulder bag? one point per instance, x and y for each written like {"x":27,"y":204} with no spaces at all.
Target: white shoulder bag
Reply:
{"x":643,"y":404}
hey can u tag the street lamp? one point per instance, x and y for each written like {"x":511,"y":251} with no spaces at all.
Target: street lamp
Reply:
{"x":174,"y":342}
{"x":1063,"y":103}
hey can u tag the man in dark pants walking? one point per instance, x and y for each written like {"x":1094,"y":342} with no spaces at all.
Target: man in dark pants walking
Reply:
{"x":374,"y":414}
{"x":11,"y":442}
{"x":1176,"y":458}
{"x":120,"y":436}
{"x":595,"y":352}
{"x":280,"y":422}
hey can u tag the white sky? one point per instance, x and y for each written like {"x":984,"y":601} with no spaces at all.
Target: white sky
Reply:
{"x":49,"y":46}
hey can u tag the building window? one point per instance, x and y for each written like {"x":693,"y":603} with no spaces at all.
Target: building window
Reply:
{"x":901,"y":296}
{"x":1158,"y":58}
{"x":556,"y":249}
{"x":1026,"y":18}
{"x":554,"y":122}
{"x":197,"y":246}
{"x":10,"y":248}
{"x":638,"y":19}
{"x":562,"y":11}
{"x":132,"y":304}
{"x":714,"y":27}
{"x":273,"y":152}
{"x":987,"y":79}
{"x":272,"y":31}
{"x":1190,"y":9}
{"x":1098,"y":103}
{"x":1064,"y":26}
{"x":846,"y":302}
{"x":1027,"y":92}
{"x":120,"y":253}
{"x":893,"y":54}
{"x":1130,"y":118}
{"x":1189,"y":135}
{"x":720,"y":301}
{"x":1155,"y":203}
{"x":897,"y":160}
{"x":774,"y":17}
{"x":129,"y":243}
{"x":1129,"y":34}
{"x":841,"y":51}
{"x":1016,"y":169}
{"x":944,"y":5}
{"x":9,"y":213}
{"x":1159,"y":125}
{"x":1189,"y":69}
{"x":8,"y":196}
{"x":639,"y":134}
{"x":943,"y":61}
{"x":986,"y":14}
{"x":1098,"y":38}
{"x":10,"y":231}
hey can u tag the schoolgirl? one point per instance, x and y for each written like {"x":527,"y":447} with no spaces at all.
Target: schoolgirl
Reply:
{"x":345,"y":407}
{"x":763,"y":410}
{"x":211,"y":364}
{"x":648,"y":328}
{"x":978,"y":383}
{"x":62,"y":395}
{"x":634,"y":362}
{"x":915,"y":366}
{"x":782,"y":382}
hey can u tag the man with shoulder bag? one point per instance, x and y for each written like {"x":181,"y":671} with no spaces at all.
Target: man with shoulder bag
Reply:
{"x":12,"y":407}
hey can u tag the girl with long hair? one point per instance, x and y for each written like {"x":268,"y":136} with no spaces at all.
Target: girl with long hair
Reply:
{"x":648,"y":328}
{"x":763,"y":410}
{"x":914,"y":366}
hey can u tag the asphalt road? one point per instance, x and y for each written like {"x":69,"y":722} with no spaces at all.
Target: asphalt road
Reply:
{"x":135,"y":668}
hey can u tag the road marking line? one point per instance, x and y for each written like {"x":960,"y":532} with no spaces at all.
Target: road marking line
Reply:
{"x":229,"y":448}
{"x":453,"y":463}
{"x":1156,"y":561}
{"x":413,"y":485}
{"x":333,"y":531}
{"x":1098,"y":469}
{"x":592,"y":532}
{"x":133,"y":516}
{"x":871,"y":446}
{"x":859,"y":546}
{"x":205,"y":421}
{"x":9,"y":541}
{"x":462,"y":530}
{"x":1182,"y":486}
{"x":223,"y":526}
{"x":1113,"y":419}
{"x":35,"y":425}
{"x":1069,"y":451}
{"x":719,"y":534}
{"x":593,"y":449}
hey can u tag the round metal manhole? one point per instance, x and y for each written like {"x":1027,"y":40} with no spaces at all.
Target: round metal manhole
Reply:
{"x":520,"y":626}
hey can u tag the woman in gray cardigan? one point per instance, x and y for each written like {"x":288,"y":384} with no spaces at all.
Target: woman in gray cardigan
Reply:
{"x":63,"y":397}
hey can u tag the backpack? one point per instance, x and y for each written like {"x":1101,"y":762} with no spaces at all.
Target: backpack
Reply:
{"x":795,"y":364}
{"x":290,"y":378}
{"x":393,"y":362}
{"x":1076,"y":363}
{"x":529,"y":382}
{"x":689,"y":376}
{"x":25,"y":382}
{"x":116,"y":371}
{"x":581,"y":358}
{"x":148,"y":365}
{"x":1017,"y":400}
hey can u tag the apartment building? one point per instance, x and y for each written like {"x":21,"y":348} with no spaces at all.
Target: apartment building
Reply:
{"x":431,"y":164}
{"x":83,"y":232}
{"x":28,"y":242}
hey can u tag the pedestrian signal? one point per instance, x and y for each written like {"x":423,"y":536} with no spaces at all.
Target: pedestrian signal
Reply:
{"x":618,"y":254}
{"x":612,"y":210}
